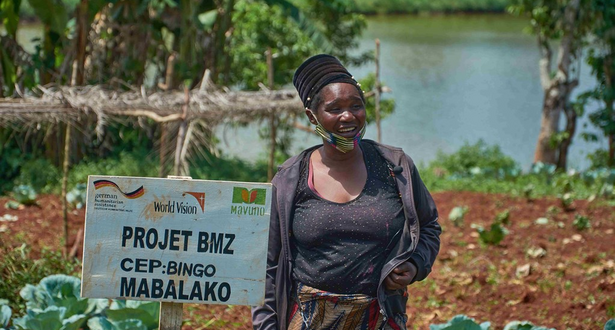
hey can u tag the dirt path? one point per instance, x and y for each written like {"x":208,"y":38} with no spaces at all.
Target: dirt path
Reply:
{"x":572,"y":286}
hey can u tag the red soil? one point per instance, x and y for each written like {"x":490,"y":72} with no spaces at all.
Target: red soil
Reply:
{"x":571,"y":287}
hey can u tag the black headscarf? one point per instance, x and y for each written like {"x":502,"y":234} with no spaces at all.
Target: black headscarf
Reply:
{"x":317,"y":72}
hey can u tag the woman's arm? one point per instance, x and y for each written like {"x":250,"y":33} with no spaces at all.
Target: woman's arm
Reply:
{"x":429,"y":236}
{"x":265,"y":317}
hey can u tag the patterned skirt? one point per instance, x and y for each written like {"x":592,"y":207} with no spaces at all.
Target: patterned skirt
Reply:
{"x":315,"y":309}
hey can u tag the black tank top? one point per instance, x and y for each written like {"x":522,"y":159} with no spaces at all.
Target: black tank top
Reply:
{"x":342,"y":247}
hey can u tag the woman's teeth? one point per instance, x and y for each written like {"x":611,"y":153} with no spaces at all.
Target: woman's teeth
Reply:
{"x":344,"y":130}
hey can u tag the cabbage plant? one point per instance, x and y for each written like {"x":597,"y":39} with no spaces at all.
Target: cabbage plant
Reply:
{"x":55,"y":304}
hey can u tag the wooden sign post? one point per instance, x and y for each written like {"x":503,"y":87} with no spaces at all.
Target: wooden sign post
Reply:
{"x":176,"y":241}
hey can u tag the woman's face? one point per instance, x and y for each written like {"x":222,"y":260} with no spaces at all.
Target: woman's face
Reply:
{"x":340,"y":110}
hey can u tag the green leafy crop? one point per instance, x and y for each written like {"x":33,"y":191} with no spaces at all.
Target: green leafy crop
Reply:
{"x":581,"y":222}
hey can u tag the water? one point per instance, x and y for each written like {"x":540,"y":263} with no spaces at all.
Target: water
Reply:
{"x":455,"y":79}
{"x":459,"y":79}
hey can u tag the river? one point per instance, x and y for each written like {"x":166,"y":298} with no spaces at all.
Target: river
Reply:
{"x":455,"y":79}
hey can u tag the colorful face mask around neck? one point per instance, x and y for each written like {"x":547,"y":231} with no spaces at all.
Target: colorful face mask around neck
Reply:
{"x":340,"y":143}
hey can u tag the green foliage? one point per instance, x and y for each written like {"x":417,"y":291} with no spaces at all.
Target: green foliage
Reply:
{"x":126,"y":164}
{"x":598,"y":159}
{"x":423,"y":6}
{"x":77,"y":195}
{"x":601,"y":59}
{"x":461,"y":322}
{"x":229,"y":169}
{"x":5,"y":314}
{"x":457,"y":214}
{"x":503,"y":217}
{"x":18,"y":268}
{"x":493,"y":236}
{"x":581,"y":222}
{"x":40,"y":174}
{"x":9,"y":15}
{"x":25,"y":194}
{"x":566,"y":200}
{"x":387,"y":106}
{"x":258,"y":26}
{"x":524,"y":325}
{"x":55,"y":304}
{"x":454,"y":172}
{"x":477,"y":160}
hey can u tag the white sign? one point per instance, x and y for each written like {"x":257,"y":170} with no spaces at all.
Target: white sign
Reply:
{"x":183,"y":241}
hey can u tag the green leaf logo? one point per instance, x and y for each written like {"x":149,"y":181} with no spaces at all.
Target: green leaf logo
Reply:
{"x":244,"y":196}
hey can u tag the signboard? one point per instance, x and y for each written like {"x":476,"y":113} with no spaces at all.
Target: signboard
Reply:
{"x":183,"y":241}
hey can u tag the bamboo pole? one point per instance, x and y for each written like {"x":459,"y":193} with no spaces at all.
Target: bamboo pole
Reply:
{"x":64,"y":186}
{"x":181,"y":135}
{"x":163,"y":136}
{"x":273,"y":121}
{"x":377,"y":91}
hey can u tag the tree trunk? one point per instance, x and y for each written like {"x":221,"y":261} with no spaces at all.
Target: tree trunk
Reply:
{"x":571,"y":126}
{"x":82,"y":33}
{"x":549,"y":125}
{"x":609,"y":103}
{"x":556,"y":89}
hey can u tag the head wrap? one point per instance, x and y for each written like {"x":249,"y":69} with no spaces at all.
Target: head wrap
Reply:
{"x":317,"y":72}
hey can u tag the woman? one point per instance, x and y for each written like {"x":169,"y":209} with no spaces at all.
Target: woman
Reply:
{"x":352,"y":224}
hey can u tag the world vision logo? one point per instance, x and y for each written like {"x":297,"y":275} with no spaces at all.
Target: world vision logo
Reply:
{"x":255,"y":196}
{"x":200,"y":197}
{"x":106,"y":183}
{"x":182,"y":207}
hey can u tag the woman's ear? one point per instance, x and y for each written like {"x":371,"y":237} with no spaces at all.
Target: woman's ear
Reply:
{"x":311,"y":116}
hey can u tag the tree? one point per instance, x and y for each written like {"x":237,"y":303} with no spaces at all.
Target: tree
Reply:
{"x":564,"y":21}
{"x":601,"y":58}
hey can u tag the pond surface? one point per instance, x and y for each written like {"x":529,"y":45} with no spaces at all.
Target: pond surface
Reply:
{"x":464,"y":78}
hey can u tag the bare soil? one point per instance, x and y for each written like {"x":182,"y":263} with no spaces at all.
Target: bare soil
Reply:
{"x":571,"y":287}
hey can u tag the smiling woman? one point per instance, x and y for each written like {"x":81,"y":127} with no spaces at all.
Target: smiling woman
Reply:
{"x":352,"y":224}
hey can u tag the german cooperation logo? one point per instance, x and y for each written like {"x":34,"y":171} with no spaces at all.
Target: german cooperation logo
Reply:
{"x":109,"y":201}
{"x":255,"y":199}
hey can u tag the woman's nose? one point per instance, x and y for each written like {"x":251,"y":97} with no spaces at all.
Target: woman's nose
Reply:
{"x":347,"y":115}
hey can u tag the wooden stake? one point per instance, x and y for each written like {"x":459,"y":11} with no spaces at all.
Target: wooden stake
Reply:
{"x":64,"y":186}
{"x":181,"y":135}
{"x":273,"y":121}
{"x":172,"y":314}
{"x":377,"y":91}
{"x":163,"y":136}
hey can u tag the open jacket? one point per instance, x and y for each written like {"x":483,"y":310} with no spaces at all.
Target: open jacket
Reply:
{"x":419,"y":242}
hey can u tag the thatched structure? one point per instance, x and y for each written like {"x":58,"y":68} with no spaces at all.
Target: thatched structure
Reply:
{"x":64,"y":104}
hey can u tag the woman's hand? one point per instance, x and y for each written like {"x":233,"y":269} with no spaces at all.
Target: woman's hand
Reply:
{"x":401,"y":276}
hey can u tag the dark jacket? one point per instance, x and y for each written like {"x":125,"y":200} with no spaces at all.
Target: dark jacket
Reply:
{"x":419,"y":242}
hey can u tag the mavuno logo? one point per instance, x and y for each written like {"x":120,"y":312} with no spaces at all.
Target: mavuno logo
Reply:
{"x":244,"y":196}
{"x":106,"y":183}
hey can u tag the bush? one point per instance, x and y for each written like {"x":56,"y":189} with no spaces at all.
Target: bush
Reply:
{"x":485,"y":169}
{"x":477,"y":159}
{"x":18,"y":268}
{"x":40,"y":174}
